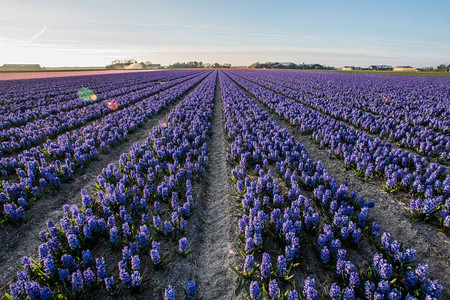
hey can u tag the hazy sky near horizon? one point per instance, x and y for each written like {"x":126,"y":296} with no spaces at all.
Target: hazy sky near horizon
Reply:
{"x":335,"y":33}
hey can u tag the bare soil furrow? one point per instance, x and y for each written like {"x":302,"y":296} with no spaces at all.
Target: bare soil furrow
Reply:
{"x":215,"y":248}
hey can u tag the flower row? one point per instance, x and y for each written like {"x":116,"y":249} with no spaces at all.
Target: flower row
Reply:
{"x":32,"y":133}
{"x":415,"y":100}
{"x":367,"y":155}
{"x":423,"y":140}
{"x":42,"y":169}
{"x":281,"y":217}
{"x":27,"y":100}
{"x":139,"y":211}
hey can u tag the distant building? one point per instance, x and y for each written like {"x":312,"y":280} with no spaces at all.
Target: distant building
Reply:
{"x":288,"y":65}
{"x":131,"y":65}
{"x":136,"y":66}
{"x":262,"y":64}
{"x":20,"y":67}
{"x":348,"y":68}
{"x":404,"y":68}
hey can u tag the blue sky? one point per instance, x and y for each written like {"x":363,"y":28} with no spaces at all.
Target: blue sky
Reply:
{"x":335,"y":33}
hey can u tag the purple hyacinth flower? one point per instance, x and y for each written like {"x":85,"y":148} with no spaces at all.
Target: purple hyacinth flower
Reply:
{"x":63,"y":274}
{"x":265,"y":266}
{"x":183,"y":245}
{"x":191,"y":290}
{"x":155,"y":256}
{"x":49,"y":265}
{"x":354,"y":280}
{"x":349,"y":294}
{"x":77,"y":280}
{"x":33,"y":290}
{"x":73,"y":241}
{"x":422,"y":272}
{"x":383,"y":287}
{"x":89,"y":277}
{"x":169,"y":293}
{"x":135,"y":262}
{"x":87,"y":257}
{"x":369,"y":288}
{"x":335,"y":292}
{"x":101,"y":268}
{"x":432,"y":288}
{"x":292,"y":295}
{"x":325,"y":255}
{"x":411,"y":279}
{"x":113,"y":235}
{"x":110,"y":285}
{"x":45,"y":293}
{"x":249,"y":245}
{"x":136,"y":279}
{"x":274,"y":290}
{"x":395,"y":295}
{"x":125,"y":277}
{"x":281,"y":266}
{"x":249,"y":263}
{"x":254,"y":290}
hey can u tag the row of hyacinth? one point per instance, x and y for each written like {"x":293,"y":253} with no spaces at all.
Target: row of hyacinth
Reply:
{"x":32,"y":133}
{"x":283,"y":217}
{"x":421,"y":139}
{"x":418,"y":138}
{"x":42,"y":100}
{"x":267,"y":220}
{"x":426,"y":182}
{"x":417,"y":101}
{"x":434,"y":144}
{"x":8,"y":163}
{"x":190,"y":292}
{"x":43,"y":169}
{"x":27,"y":100}
{"x":140,"y":210}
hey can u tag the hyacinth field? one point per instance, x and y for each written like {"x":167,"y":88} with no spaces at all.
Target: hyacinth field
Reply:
{"x":225,"y":184}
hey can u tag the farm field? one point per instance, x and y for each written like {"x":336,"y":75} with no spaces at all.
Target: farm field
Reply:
{"x":224,"y":184}
{"x":53,"y":74}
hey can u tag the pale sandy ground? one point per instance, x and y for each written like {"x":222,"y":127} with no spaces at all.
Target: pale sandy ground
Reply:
{"x":34,"y":75}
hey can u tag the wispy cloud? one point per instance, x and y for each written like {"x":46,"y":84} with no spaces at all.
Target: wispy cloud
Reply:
{"x":44,"y":28}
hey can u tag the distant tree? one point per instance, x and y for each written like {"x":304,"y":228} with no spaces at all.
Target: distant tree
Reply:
{"x":447,"y":69}
{"x":193,"y":64}
{"x":254,"y":65}
{"x":277,"y":66}
{"x":427,"y":69}
{"x":148,"y":63}
{"x":441,"y":68}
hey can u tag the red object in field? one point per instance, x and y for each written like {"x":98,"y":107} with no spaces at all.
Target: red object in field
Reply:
{"x":113,"y":104}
